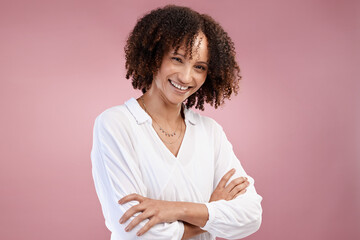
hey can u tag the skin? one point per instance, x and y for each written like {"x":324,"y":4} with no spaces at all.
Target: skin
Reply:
{"x":163,"y":100}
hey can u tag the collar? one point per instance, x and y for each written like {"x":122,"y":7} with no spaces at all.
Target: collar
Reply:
{"x":141,"y":116}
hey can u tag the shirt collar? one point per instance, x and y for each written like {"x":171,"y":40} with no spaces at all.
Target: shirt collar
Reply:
{"x":138,"y":113}
{"x":190,"y":116}
{"x":141,"y":116}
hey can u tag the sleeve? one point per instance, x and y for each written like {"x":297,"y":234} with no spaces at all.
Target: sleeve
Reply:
{"x":239,"y":217}
{"x":116,"y":174}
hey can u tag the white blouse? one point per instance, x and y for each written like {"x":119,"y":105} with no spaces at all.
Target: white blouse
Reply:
{"x":129,"y":157}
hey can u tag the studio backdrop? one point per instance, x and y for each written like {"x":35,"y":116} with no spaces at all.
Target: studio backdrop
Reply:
{"x":294,"y":124}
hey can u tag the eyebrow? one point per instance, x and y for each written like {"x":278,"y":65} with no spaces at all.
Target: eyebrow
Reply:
{"x":176,"y":53}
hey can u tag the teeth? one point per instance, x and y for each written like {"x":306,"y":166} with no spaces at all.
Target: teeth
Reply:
{"x":178,"y":86}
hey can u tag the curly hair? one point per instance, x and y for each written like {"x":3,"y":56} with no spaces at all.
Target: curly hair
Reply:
{"x":171,"y":27}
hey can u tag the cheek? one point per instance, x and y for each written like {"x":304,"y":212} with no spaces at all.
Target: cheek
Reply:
{"x":199,"y":84}
{"x":201,"y":81}
{"x":159,"y":80}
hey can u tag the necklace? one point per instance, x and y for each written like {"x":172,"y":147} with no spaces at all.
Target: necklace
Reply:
{"x":179,"y":135}
{"x":161,"y":129}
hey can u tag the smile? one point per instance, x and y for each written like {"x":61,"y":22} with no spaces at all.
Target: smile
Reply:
{"x":178,"y":86}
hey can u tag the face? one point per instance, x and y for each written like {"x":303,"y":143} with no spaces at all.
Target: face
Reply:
{"x":180,"y":76}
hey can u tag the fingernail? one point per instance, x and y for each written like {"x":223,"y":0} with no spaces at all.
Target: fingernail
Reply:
{"x":127,"y":229}
{"x":138,"y":234}
{"x":121,"y":221}
{"x":119,"y":201}
{"x":233,"y":170}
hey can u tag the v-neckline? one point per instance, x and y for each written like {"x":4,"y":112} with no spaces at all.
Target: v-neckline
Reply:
{"x":160,"y":142}
{"x":158,"y":139}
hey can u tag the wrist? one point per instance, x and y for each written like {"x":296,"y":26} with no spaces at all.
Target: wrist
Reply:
{"x":191,"y":231}
{"x":193,"y":213}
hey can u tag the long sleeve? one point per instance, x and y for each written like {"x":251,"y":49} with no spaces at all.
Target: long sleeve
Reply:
{"x":239,"y":217}
{"x":116,"y":173}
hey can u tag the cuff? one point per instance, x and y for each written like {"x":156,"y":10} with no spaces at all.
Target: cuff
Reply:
{"x":211,"y":219}
{"x":181,"y":229}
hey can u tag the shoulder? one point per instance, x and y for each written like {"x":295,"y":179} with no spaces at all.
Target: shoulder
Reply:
{"x":203,"y":121}
{"x":113,"y":116}
{"x":116,"y":117}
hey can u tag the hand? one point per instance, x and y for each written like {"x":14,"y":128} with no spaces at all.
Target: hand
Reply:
{"x":236,"y":187}
{"x":157,"y":211}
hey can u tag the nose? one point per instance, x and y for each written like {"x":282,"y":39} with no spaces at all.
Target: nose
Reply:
{"x":185,"y":75}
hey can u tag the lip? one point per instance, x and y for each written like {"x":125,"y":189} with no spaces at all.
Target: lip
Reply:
{"x":179,"y":90}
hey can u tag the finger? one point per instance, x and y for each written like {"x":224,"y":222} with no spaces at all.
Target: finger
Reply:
{"x":238,"y":188}
{"x":131,"y":197}
{"x":130,"y":212}
{"x":141,"y":217}
{"x":234,"y":183}
{"x":242,"y":192}
{"x":147,"y":226}
{"x":226,"y":178}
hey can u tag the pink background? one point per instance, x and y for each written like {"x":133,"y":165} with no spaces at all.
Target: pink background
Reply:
{"x":294,"y":125}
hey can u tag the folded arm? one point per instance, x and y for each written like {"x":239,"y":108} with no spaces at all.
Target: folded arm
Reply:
{"x":116,"y":175}
{"x":195,"y":215}
{"x":239,"y":217}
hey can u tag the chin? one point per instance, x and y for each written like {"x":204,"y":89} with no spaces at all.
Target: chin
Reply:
{"x":176,"y":99}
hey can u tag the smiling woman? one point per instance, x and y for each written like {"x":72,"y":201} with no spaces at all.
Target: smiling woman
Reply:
{"x":180,"y":75}
{"x":162,"y":171}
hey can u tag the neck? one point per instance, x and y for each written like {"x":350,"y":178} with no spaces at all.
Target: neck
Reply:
{"x":161,"y":109}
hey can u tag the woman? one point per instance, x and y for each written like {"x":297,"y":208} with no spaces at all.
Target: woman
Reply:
{"x":162,"y":171}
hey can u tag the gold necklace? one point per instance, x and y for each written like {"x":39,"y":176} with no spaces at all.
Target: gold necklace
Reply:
{"x":161,"y":129}
{"x":174,"y":140}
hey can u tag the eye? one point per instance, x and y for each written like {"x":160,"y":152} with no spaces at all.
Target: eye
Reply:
{"x":200,"y":67}
{"x":177,"y":59}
